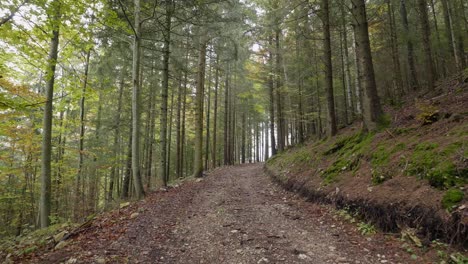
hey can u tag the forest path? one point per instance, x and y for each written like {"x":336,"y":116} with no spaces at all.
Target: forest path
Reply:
{"x":235,"y":215}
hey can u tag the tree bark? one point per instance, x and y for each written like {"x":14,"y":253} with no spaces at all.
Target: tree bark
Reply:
{"x":208,"y":111}
{"x":79,"y":202}
{"x":426,"y":43}
{"x":343,"y":80}
{"x":244,"y":128}
{"x":440,"y":61}
{"x":139,"y":192}
{"x":116,"y":145}
{"x":327,"y":58}
{"x":372,"y":110}
{"x":459,"y":34}
{"x":226,"y":116}
{"x":349,"y":88}
{"x":45,"y":198}
{"x":271,"y":90}
{"x":413,"y":79}
{"x":198,"y":154}
{"x":449,"y":30}
{"x":164,"y":92}
{"x":215,"y":114}
{"x":279,"y":105}
{"x":128,"y":169}
{"x":397,"y":79}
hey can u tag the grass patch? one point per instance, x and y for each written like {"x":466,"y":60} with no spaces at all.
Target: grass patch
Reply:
{"x":451,"y":198}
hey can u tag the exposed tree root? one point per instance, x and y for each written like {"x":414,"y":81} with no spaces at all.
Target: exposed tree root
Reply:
{"x":389,"y":217}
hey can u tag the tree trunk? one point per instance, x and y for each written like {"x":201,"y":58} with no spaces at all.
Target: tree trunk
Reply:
{"x":79,"y":202}
{"x":265,"y":140}
{"x":317,"y":93}
{"x":226,"y":116}
{"x":426,"y":43}
{"x":459,"y":34}
{"x":271,"y":90}
{"x":215,"y":114}
{"x":413,"y":79}
{"x":279,"y":106}
{"x":115,"y":166}
{"x":357,"y":81}
{"x":300,"y":87}
{"x":440,"y":60}
{"x":139,"y":192}
{"x":198,"y":154}
{"x":95,"y":181}
{"x":208,"y":108}
{"x":327,"y":58}
{"x":397,"y":79}
{"x":150,"y":135}
{"x":449,"y":30}
{"x":45,"y":198}
{"x":343,"y":79}
{"x":257,"y":142}
{"x":184,"y":107}
{"x":164,"y":92}
{"x":169,"y":137}
{"x":128,"y":169}
{"x":349,"y":88}
{"x":372,"y":110}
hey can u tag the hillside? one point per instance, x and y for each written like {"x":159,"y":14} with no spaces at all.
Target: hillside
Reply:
{"x":411,"y":174}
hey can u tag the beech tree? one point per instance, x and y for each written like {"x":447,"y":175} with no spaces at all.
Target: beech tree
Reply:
{"x":47,"y":120}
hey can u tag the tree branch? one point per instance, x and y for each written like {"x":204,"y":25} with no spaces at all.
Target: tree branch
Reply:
{"x":126,"y":17}
{"x":12,"y":14}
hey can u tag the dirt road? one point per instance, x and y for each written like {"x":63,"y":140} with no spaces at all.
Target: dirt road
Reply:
{"x":235,"y":215}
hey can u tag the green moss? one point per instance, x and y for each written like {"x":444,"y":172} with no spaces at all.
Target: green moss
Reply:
{"x":435,"y":165}
{"x":451,"y":198}
{"x":380,"y":156}
{"x":403,"y":130}
{"x":348,"y":155}
{"x":384,"y":121}
{"x":29,"y":250}
{"x":380,"y":159}
{"x":399,"y":147}
{"x":426,"y":146}
{"x":295,"y":158}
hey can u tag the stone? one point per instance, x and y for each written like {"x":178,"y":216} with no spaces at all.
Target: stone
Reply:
{"x":134,"y":215}
{"x":123,"y":205}
{"x":59,"y":236}
{"x":61,"y":245}
{"x":71,"y":261}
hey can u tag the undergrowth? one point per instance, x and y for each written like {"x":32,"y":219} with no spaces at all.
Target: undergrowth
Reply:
{"x":28,"y":243}
{"x":348,"y":151}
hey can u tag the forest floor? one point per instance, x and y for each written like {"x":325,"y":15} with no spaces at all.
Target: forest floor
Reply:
{"x":234,"y":215}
